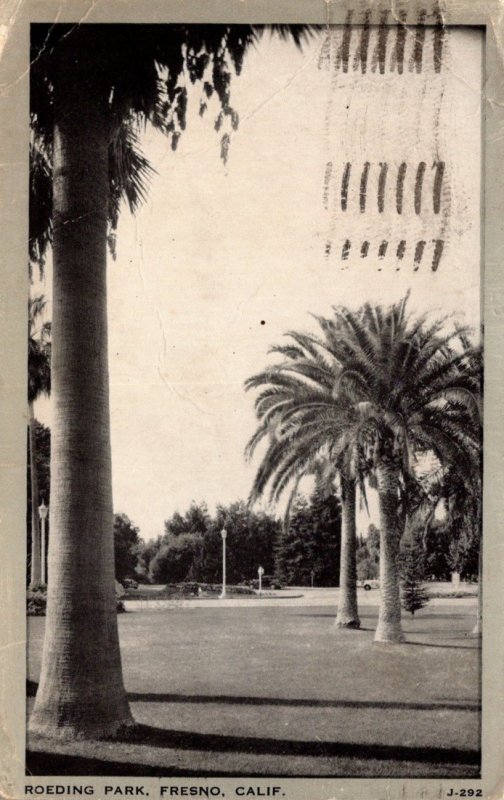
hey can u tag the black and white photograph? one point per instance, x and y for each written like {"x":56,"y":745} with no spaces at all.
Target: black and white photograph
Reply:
{"x":252,"y":533}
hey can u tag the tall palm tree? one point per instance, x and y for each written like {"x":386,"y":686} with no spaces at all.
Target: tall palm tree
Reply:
{"x":416,"y":392}
{"x":311,"y":424}
{"x":393,"y":388}
{"x":39,"y":382}
{"x":93,"y":87}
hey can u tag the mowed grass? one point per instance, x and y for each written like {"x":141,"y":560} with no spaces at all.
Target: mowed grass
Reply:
{"x":280,"y":692}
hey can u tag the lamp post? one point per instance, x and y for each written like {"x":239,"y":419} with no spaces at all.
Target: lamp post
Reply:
{"x":260,"y":572}
{"x":223,"y":534}
{"x":43,"y":512}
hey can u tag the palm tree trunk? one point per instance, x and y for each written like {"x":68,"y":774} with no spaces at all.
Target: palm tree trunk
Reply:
{"x":81,"y":692}
{"x":389,"y":619}
{"x":35,"y":567}
{"x":478,"y":628}
{"x":348,"y":615}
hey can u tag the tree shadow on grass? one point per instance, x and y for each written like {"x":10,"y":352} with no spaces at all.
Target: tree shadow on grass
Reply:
{"x":209,"y":742}
{"x":444,"y":615}
{"x":152,"y":697}
{"x":444,"y":646}
{"x":42,"y":763}
{"x":47,"y":763}
{"x":299,"y":702}
{"x":333,"y":616}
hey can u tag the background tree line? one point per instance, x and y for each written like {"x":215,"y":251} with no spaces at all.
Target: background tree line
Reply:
{"x":191,"y":547}
{"x":306,"y":547}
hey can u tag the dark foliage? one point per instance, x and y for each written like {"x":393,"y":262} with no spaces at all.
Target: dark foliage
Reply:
{"x":36,"y":602}
{"x":310,"y":548}
{"x":411,"y":565}
{"x":126,"y":547}
{"x":191,"y":549}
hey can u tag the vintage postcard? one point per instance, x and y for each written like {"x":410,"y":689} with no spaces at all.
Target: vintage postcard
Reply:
{"x":251,"y":440}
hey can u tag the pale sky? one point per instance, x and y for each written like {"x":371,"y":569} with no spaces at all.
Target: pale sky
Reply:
{"x":222,"y":260}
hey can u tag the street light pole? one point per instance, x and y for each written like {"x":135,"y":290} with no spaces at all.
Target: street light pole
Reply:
{"x":223,"y":593}
{"x":260,"y":572}
{"x":43,"y":512}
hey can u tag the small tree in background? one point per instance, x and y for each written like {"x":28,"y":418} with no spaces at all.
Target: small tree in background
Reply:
{"x":126,"y":547}
{"x":312,"y":542}
{"x":411,"y":565}
{"x":325,"y":510}
{"x":368,"y":555}
{"x":174,"y":561}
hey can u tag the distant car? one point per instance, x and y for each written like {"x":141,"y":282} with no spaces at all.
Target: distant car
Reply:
{"x":369,"y":584}
{"x":268,"y":582}
{"x":129,"y":583}
{"x":189,"y":588}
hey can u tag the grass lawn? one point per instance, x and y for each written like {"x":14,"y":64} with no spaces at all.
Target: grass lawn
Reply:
{"x":278,"y":691}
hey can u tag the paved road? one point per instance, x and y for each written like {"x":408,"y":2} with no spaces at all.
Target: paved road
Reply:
{"x":301,"y":596}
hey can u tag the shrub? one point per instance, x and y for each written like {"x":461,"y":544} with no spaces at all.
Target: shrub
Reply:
{"x":36,"y":602}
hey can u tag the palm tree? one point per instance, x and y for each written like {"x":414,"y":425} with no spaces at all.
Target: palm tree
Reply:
{"x":39,"y":382}
{"x":377,"y":389}
{"x":416,"y":393}
{"x":459,"y":489}
{"x":93,"y":87}
{"x":307,"y":425}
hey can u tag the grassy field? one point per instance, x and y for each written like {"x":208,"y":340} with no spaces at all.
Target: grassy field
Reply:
{"x":278,"y":691}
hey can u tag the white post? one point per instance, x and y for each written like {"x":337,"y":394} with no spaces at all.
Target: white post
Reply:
{"x":43,"y":511}
{"x":223,"y":534}
{"x":260,"y":572}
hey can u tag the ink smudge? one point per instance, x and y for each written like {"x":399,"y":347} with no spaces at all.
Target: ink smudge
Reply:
{"x":418,"y":186}
{"x":380,"y":53}
{"x":439,"y":166}
{"x":363,"y":187}
{"x":419,"y":249}
{"x":344,"y":186}
{"x":419,"y":42}
{"x":382,"y":180}
{"x":401,"y":175}
{"x":438,"y":252}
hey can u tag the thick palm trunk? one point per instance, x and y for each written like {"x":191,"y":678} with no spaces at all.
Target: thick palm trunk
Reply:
{"x":35,"y":565}
{"x":81,"y":690}
{"x":389,"y":619}
{"x":348,"y":616}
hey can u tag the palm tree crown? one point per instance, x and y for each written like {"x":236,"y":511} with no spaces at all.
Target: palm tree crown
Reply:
{"x":39,"y":350}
